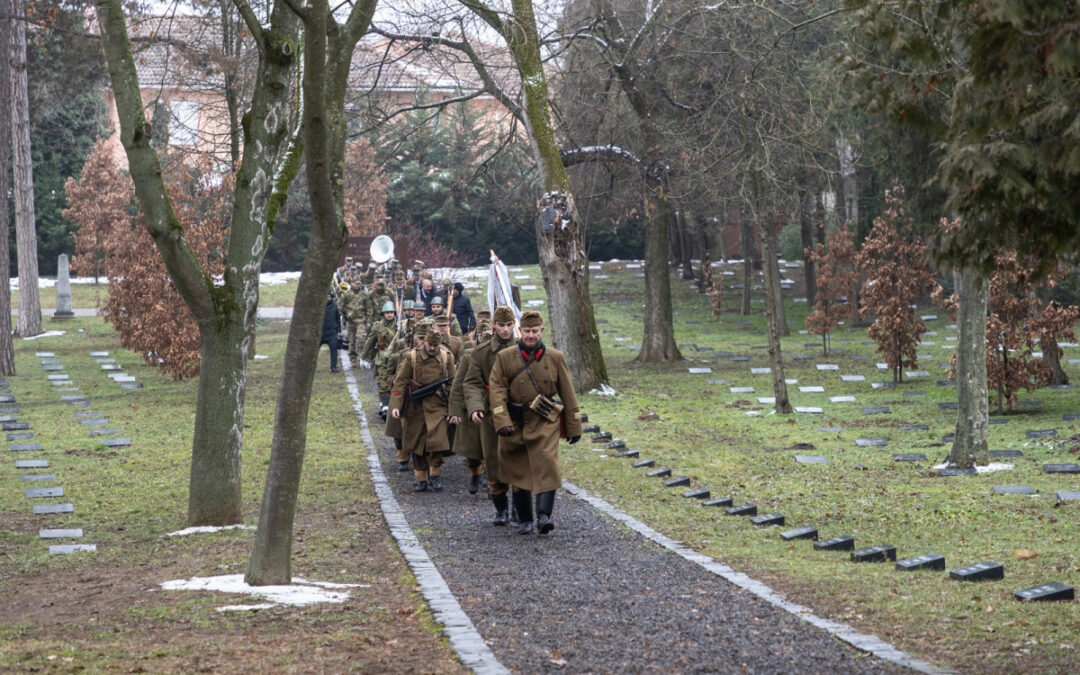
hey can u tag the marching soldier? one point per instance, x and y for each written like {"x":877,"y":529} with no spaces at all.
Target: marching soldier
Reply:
{"x":415,"y":399}
{"x":399,"y":348}
{"x":478,"y":404}
{"x":438,"y":308}
{"x":455,"y":344}
{"x":467,"y":434}
{"x":529,"y":422}
{"x":352,"y":310}
{"x":389,"y":319}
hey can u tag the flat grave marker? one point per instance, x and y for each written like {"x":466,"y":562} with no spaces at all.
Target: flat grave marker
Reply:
{"x":642,"y":463}
{"x":741,"y":390}
{"x":914,"y":393}
{"x":37,"y":477}
{"x":1067,"y":496}
{"x":31,"y":464}
{"x":73,"y":533}
{"x":700,"y":371}
{"x":914,"y":427}
{"x":836,"y":544}
{"x":876,"y":411}
{"x":678,"y":481}
{"x":954,"y":471}
{"x":699,"y":493}
{"x":1040,"y":433}
{"x":947,"y":406}
{"x":926,"y":561}
{"x":47,"y":509}
{"x":99,"y":354}
{"x":760,"y":371}
{"x":831,"y":430}
{"x":44,"y":355}
{"x":743,"y":510}
{"x":659,"y":473}
{"x":103,"y":432}
{"x":1050,"y":591}
{"x":34,"y":493}
{"x":909,"y":457}
{"x":809,"y":409}
{"x":853,"y":378}
{"x":766,"y":400}
{"x":768,"y":519}
{"x":826,"y":366}
{"x":800,"y":533}
{"x":125,"y":442}
{"x":812,"y":389}
{"x":841,"y":399}
{"x":717,"y":501}
{"x":880,"y":553}
{"x":1005,"y":454}
{"x":811,"y":459}
{"x":53,"y":378}
{"x":25,"y":447}
{"x":1061,"y":468}
{"x":984,"y":571}
{"x":622,"y":453}
{"x":68,"y":549}
{"x":1014,"y":490}
{"x":871,"y":442}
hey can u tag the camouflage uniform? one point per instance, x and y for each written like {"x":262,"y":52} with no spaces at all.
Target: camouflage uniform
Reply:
{"x":352,"y":309}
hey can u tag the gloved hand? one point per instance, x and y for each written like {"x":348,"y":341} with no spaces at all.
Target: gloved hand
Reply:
{"x":506,"y":431}
{"x":574,"y":439}
{"x":382,"y":413}
{"x":366,"y":365}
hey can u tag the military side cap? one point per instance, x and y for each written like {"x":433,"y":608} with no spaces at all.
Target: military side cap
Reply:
{"x":531,"y":319}
{"x":483,"y":314}
{"x":504,"y":314}
{"x":421,"y":329}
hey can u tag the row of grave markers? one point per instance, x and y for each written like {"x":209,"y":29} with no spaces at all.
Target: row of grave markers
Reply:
{"x":20,"y":431}
{"x":983,"y":571}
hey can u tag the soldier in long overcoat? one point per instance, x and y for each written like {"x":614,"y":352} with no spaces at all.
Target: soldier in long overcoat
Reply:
{"x":477,"y":401}
{"x":424,"y":422}
{"x":528,"y":440}
{"x":466,"y":440}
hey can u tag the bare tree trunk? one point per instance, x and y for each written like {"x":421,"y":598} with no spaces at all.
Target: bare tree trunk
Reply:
{"x":687,"y":243}
{"x":1049,"y":346}
{"x":25,"y":227}
{"x":972,"y":418}
{"x":806,"y":232}
{"x":658,"y":342}
{"x":772,"y":267}
{"x":7,"y":348}
{"x":328,"y":51}
{"x":746,"y":241}
{"x":772,"y":293}
{"x":721,"y":237}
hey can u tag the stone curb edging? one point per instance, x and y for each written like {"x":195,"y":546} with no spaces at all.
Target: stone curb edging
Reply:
{"x":862,"y":641}
{"x":465,"y":640}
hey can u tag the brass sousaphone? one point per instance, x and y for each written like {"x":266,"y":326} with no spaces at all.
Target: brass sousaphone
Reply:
{"x":382,"y":249}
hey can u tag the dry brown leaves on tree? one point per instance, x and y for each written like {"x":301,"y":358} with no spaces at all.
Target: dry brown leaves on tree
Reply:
{"x":837,"y":282}
{"x":144,"y":306}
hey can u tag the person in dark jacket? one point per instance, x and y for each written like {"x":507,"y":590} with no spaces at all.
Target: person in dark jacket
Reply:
{"x":331,"y":328}
{"x":462,"y":309}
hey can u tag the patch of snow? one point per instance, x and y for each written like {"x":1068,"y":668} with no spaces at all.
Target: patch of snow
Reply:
{"x":203,"y":529}
{"x":300,"y":592}
{"x":604,"y":390}
{"x":48,"y":333}
{"x":989,"y":468}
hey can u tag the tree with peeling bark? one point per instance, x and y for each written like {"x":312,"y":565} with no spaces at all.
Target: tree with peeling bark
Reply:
{"x":224,"y":311}
{"x":7,"y":347}
{"x":25,"y":228}
{"x":560,"y":239}
{"x":897,"y":267}
{"x":837,"y":283}
{"x":327,"y":57}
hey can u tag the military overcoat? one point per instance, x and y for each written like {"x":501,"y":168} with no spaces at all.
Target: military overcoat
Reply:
{"x":467,"y":436}
{"x":529,"y":458}
{"x":423,"y":424}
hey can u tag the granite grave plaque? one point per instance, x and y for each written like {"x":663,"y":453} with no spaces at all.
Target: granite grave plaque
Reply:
{"x":1005,"y":454}
{"x":984,"y":571}
{"x":31,"y":464}
{"x":853,"y":378}
{"x":871,"y":442}
{"x":45,"y":492}
{"x":799,"y":533}
{"x":926,"y":561}
{"x":698,"y":493}
{"x":37,"y":477}
{"x":659,"y":473}
{"x":876,"y":411}
{"x":1061,"y":468}
{"x":1068,"y":496}
{"x":880,"y":553}
{"x":25,"y":447}
{"x":1014,"y":490}
{"x":812,"y":389}
{"x":956,"y":471}
{"x":914,"y":427}
{"x":831,"y":430}
{"x":717,"y":501}
{"x":1040,"y":433}
{"x":1050,"y":591}
{"x":116,"y":442}
{"x":678,"y":481}
{"x":811,"y":459}
{"x":68,"y":549}
{"x":809,"y":409}
{"x":74,"y":533}
{"x":743,"y":510}
{"x":768,"y":519}
{"x":46,"y":509}
{"x":602,"y":437}
{"x":909,"y":457}
{"x":643,"y":463}
{"x":835,"y":544}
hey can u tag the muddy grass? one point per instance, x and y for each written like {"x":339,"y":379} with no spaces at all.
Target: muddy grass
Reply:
{"x":80,"y":614}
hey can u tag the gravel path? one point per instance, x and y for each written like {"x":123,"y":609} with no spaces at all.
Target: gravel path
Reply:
{"x":595,"y":596}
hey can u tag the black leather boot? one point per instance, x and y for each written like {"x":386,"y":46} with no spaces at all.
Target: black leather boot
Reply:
{"x":545,"y":502}
{"x":502,"y":512}
{"x":523,"y":504}
{"x":474,"y":483}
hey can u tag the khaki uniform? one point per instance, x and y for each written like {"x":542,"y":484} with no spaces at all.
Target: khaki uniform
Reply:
{"x":352,"y":306}
{"x":475,"y":387}
{"x":467,"y":436}
{"x":392,"y":428}
{"x":423,"y":425}
{"x":529,"y":458}
{"x":455,"y":327}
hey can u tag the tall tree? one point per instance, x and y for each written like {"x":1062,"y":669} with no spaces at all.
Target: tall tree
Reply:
{"x":328,"y":55}
{"x":25,"y":227}
{"x":560,"y":239}
{"x":224,"y":310}
{"x":7,"y":348}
